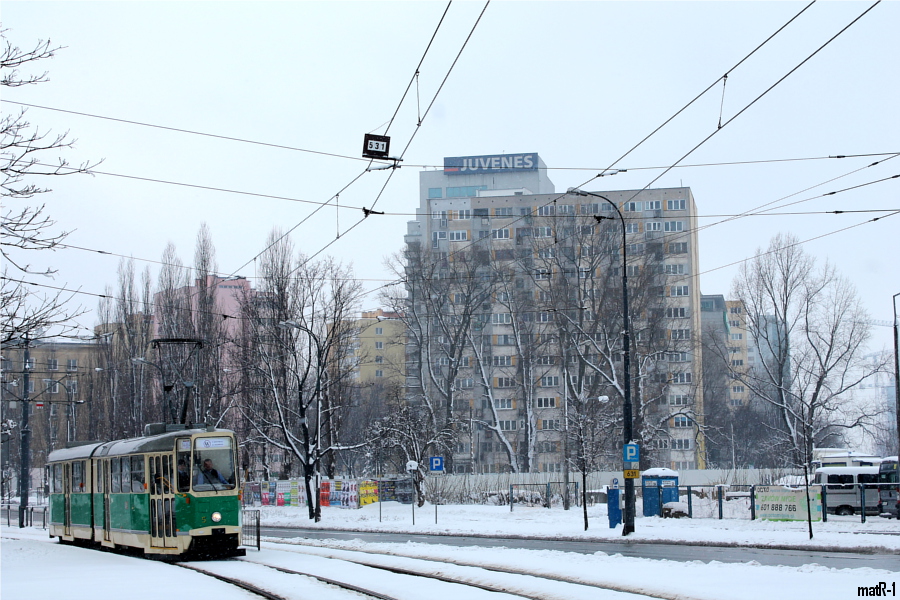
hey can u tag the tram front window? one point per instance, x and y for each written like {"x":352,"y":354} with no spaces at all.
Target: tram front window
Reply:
{"x":213,"y":467}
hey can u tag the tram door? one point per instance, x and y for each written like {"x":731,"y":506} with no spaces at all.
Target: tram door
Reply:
{"x":162,"y":501}
{"x":105,"y":487}
{"x":67,"y":493}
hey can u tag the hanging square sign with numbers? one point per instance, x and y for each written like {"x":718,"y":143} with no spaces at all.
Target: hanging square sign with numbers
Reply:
{"x":376,"y":146}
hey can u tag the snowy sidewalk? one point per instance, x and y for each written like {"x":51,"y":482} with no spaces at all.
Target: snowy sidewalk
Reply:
{"x":838,"y":534}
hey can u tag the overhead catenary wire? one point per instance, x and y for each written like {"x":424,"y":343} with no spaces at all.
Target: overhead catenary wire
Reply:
{"x":733,"y":118}
{"x":357,"y":208}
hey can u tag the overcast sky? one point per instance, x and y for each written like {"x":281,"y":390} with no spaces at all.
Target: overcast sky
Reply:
{"x":579,"y":83}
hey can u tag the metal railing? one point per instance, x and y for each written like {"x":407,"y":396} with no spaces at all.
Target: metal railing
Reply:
{"x":12,"y":515}
{"x":250,"y":528}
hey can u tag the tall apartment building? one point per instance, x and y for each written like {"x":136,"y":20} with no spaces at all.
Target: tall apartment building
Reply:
{"x":551,"y":267}
{"x":380,"y":349}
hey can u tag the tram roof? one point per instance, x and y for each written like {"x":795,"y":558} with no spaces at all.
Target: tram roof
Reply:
{"x":163,"y":442}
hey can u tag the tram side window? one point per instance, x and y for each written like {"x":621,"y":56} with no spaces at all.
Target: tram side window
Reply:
{"x":126,"y":474}
{"x":57,"y":479}
{"x":137,"y":474}
{"x":183,"y":461}
{"x":77,"y":476}
{"x":116,"y":475}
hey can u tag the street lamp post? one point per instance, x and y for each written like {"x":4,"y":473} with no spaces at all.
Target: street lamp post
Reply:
{"x":627,"y":433}
{"x":896,"y":366}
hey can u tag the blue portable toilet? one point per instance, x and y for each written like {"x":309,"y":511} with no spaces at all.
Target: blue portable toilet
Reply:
{"x":658,"y":486}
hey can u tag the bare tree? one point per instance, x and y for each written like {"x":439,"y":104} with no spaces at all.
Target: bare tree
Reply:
{"x":299,"y":330}
{"x":809,"y":329}
{"x":25,"y":226}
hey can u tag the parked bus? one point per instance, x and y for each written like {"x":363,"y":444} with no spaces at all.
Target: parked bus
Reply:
{"x":841,"y":486}
{"x":889,"y":488}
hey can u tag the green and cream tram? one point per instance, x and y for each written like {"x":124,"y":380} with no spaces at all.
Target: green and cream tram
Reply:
{"x":171,"y":493}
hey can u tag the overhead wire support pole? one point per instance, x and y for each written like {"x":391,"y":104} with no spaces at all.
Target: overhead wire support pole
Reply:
{"x":627,"y":412}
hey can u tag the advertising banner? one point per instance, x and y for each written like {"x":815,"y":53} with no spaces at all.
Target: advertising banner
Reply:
{"x":778,"y":503}
{"x":295,"y":493}
{"x":325,"y":493}
{"x":368,"y":492}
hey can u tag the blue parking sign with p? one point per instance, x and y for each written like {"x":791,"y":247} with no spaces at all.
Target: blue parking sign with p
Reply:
{"x":631,"y":454}
{"x":437,"y":463}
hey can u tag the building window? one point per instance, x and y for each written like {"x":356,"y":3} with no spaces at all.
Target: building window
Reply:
{"x":633,"y":249}
{"x":501,"y":318}
{"x":737,"y":402}
{"x":509,"y":425}
{"x":379,"y":345}
{"x":544,"y":360}
{"x":463,"y":214}
{"x":681,"y":444}
{"x":679,"y":290}
{"x":737,"y":336}
{"x":379,"y":373}
{"x":549,"y":252}
{"x":380,"y":359}
{"x":52,"y":387}
{"x":72,"y":386}
{"x":500,"y":234}
{"x":675,"y":205}
{"x":546,"y":402}
{"x":504,"y":340}
{"x":505,"y":211}
{"x":459,"y":236}
{"x":545,"y":317}
{"x":678,"y":248}
{"x":29,"y":364}
{"x":681,"y":334}
{"x":504,"y":382}
{"x":653,"y":205}
{"x":653,"y":226}
{"x":550,"y":381}
{"x":632,"y":228}
{"x":435,"y":192}
{"x":681,"y":421}
{"x":543,"y":274}
{"x":737,"y":363}
{"x":633,"y":206}
{"x":737,"y":389}
{"x":734,"y":323}
{"x":546,"y":211}
{"x":501,"y":361}
{"x":465,"y":383}
{"x":468,"y":191}
{"x":681,"y":378}
{"x":566,"y":209}
{"x":679,"y":400}
{"x":675,"y":269}
{"x":52,"y":364}
{"x":676,"y":313}
{"x":543,"y":232}
{"x":677,"y":356}
{"x":550,"y":424}
{"x":379,"y":331}
{"x":735,"y":310}
{"x":504,"y":403}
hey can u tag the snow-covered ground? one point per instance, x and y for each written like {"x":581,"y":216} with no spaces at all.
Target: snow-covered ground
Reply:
{"x":33,"y":567}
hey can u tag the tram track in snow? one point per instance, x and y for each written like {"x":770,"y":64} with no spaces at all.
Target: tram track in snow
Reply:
{"x":467,"y":574}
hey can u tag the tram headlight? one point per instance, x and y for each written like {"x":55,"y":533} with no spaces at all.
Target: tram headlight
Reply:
{"x":216,"y":517}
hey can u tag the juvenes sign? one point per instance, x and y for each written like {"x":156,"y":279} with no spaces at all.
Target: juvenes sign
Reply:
{"x":491,"y":163}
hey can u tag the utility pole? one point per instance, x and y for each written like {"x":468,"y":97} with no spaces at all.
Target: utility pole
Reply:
{"x":25,"y":446}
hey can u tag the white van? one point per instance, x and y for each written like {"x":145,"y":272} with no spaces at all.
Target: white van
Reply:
{"x":841,"y":488}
